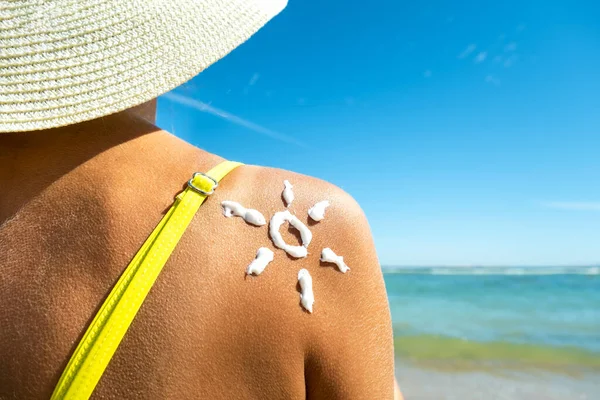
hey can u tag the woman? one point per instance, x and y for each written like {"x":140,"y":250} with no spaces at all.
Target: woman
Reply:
{"x":86,"y":177}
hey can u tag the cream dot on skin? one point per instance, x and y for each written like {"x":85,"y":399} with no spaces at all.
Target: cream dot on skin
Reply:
{"x":296,"y":251}
{"x":327,"y":255}
{"x":317,"y":212}
{"x":288,"y":193}
{"x":305,"y":233}
{"x":263,"y":257}
{"x":274,"y":231}
{"x":307,"y":297}
{"x":251,"y":216}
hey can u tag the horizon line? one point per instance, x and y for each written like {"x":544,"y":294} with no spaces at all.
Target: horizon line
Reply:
{"x":592,"y":265}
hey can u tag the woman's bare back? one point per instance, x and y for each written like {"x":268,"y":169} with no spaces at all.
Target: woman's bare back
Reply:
{"x":206,"y":330}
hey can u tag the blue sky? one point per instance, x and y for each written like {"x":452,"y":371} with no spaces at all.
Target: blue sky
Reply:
{"x":476,"y":124}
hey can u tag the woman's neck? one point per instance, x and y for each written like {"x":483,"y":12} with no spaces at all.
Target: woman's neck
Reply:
{"x":31,"y":161}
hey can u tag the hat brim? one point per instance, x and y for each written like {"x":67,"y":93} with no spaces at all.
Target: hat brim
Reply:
{"x":79,"y":60}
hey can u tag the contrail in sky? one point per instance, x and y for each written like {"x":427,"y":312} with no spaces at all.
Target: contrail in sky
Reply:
{"x":207,"y":108}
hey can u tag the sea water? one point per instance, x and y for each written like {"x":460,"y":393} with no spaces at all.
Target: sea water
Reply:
{"x":475,"y":319}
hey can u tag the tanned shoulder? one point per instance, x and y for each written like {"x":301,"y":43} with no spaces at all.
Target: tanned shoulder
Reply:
{"x":346,"y":341}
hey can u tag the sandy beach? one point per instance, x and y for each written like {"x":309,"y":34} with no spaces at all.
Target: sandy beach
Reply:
{"x":424,"y":384}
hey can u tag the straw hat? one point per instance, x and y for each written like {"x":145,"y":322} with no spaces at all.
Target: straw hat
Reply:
{"x":67,"y":61}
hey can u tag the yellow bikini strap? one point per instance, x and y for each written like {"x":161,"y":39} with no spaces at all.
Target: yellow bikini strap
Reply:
{"x":103,"y":336}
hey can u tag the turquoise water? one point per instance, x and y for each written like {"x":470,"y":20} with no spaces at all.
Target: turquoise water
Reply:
{"x":546,"y":318}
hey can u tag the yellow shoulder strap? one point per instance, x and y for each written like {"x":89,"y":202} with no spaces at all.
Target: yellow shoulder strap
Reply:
{"x":103,"y":336}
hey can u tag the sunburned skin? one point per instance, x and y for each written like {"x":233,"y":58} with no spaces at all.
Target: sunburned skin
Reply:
{"x":253,"y":217}
{"x":327,"y":255}
{"x":307,"y":297}
{"x":279,"y":219}
{"x":317,"y":212}
{"x":263,"y":257}
{"x":288,"y":194}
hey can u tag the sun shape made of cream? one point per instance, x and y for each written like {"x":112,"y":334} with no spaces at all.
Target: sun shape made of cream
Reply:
{"x":305,"y":234}
{"x":264,"y":255}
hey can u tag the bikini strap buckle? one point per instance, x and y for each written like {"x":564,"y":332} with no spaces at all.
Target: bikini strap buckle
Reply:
{"x":195,"y":188}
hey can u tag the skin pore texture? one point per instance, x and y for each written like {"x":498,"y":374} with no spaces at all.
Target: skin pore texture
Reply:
{"x":76,"y":203}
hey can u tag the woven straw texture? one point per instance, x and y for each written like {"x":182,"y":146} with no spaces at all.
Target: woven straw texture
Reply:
{"x":67,"y":61}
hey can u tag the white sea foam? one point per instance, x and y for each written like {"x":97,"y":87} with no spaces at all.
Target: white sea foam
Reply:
{"x":509,"y":271}
{"x":593,"y":271}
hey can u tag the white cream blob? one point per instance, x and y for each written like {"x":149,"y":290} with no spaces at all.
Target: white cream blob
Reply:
{"x":305,"y":233}
{"x":288,"y":193}
{"x":317,"y":212}
{"x":327,"y":255}
{"x":307,"y":297}
{"x":274,"y":230}
{"x":296,"y":251}
{"x":233,"y":209}
{"x":263,"y":257}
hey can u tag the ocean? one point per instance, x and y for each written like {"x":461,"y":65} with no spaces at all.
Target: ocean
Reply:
{"x":496,"y":333}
